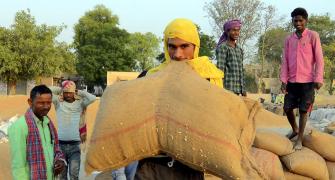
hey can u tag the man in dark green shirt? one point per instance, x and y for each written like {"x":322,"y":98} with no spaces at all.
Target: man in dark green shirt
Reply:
{"x":229,"y":56}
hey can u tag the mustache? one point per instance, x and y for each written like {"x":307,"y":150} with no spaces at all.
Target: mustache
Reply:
{"x":177,"y":59}
{"x":46,"y":109}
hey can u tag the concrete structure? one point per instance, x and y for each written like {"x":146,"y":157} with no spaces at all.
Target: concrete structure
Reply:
{"x":114,"y":76}
{"x":23,"y":87}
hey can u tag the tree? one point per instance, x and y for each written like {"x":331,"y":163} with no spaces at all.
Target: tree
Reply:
{"x":144,"y":47}
{"x":324,"y":26}
{"x":160,"y":57}
{"x":101,"y":46}
{"x":270,"y":58}
{"x":273,"y":46}
{"x":28,"y":50}
{"x":207,"y":44}
{"x":248,"y":11}
{"x":266,"y":23}
{"x":329,"y":51}
{"x":250,"y":83}
{"x":270,"y":48}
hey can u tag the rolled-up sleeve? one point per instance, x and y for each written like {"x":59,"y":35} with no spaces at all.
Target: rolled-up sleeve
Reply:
{"x":56,"y":91}
{"x":87,"y":98}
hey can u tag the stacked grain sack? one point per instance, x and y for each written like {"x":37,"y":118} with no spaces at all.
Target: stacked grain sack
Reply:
{"x":324,"y":145}
{"x":178,"y":113}
{"x":314,"y":161}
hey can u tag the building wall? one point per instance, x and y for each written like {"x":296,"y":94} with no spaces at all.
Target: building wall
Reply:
{"x":23,"y":87}
{"x":113,"y":76}
{"x":30,"y":86}
{"x":3,"y":88}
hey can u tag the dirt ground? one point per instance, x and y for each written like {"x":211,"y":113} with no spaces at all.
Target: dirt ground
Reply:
{"x":12,"y":105}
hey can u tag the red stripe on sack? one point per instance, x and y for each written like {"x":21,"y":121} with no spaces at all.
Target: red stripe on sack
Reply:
{"x":162,"y":118}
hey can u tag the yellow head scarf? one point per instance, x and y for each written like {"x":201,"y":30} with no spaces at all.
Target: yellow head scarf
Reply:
{"x":186,"y":30}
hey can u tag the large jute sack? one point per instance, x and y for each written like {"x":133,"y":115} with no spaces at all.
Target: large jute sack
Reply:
{"x":307,"y":163}
{"x":292,"y":176}
{"x":331,"y":169}
{"x":269,"y":163}
{"x":267,"y":119}
{"x":273,"y":142}
{"x":322,"y":143}
{"x":176,"y":112}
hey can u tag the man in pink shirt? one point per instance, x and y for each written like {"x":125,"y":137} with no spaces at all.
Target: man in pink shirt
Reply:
{"x":301,"y":72}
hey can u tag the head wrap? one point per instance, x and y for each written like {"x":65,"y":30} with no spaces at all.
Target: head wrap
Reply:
{"x":226,"y":27}
{"x":186,"y":30}
{"x":68,"y":86}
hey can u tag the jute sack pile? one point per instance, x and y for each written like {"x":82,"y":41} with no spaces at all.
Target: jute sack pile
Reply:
{"x":176,"y":112}
{"x":322,"y":143}
{"x":269,"y":163}
{"x":307,"y":163}
{"x":331,"y":169}
{"x":265,"y":117}
{"x":292,"y":176}
{"x":273,"y":142}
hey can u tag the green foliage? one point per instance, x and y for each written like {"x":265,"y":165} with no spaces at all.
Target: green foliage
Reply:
{"x":250,"y":83}
{"x":101,"y":46}
{"x":273,"y":44}
{"x":28,"y":50}
{"x":160,"y":57}
{"x":207,"y":44}
{"x":324,"y":26}
{"x":144,"y":48}
{"x":248,"y":11}
{"x":329,"y":52}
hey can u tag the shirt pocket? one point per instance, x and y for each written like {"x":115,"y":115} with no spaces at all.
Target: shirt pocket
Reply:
{"x":306,"y":46}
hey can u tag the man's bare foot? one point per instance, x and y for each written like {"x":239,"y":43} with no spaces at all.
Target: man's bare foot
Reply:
{"x":291,"y":136}
{"x":298,"y":145}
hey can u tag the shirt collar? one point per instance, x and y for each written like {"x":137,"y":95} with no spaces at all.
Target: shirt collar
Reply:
{"x":236,"y":45}
{"x":38,"y":121}
{"x":303,"y":33}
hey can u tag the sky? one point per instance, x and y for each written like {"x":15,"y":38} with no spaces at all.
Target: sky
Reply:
{"x":139,"y":15}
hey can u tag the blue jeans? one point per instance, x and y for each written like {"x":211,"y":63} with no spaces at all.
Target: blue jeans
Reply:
{"x":125,"y":173}
{"x":72,"y":158}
